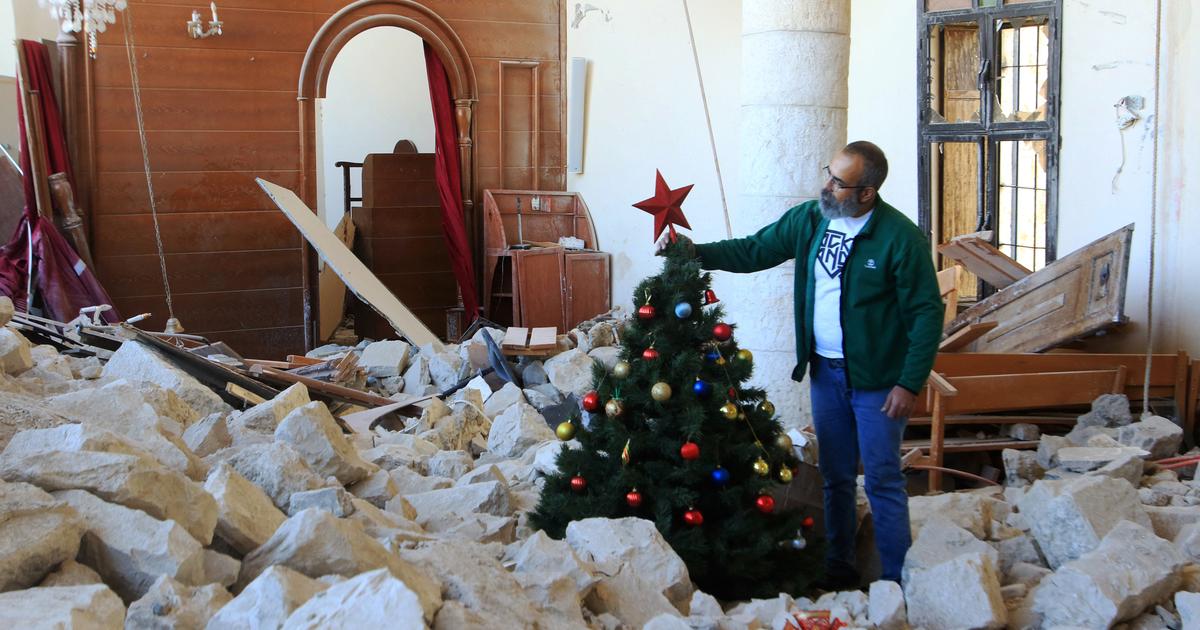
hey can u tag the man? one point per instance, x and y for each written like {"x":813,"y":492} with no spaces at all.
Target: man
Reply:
{"x":868,"y":321}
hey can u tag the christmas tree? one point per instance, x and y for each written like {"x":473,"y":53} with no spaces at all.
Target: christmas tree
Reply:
{"x":676,"y":437}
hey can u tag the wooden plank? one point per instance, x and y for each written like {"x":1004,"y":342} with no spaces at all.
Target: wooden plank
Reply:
{"x":977,"y":254}
{"x":515,"y":337}
{"x":247,"y":396}
{"x":198,"y":151}
{"x":327,"y":389}
{"x":1010,"y":392}
{"x":1193,"y":392}
{"x":297,"y":360}
{"x":543,"y":338}
{"x":198,"y":191}
{"x":964,"y":336}
{"x":158,"y":25}
{"x":186,"y":68}
{"x":202,"y":272}
{"x":226,"y":310}
{"x":214,"y":110}
{"x":357,"y":277}
{"x":133,"y":234}
{"x":1163,"y":366}
{"x":1075,"y":296}
{"x":263,"y":342}
{"x":960,"y":419}
{"x":970,"y":445}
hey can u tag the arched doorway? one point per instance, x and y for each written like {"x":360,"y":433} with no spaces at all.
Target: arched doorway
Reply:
{"x":315,"y":70}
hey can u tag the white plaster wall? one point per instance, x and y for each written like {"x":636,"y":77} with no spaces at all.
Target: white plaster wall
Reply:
{"x":377,"y":94}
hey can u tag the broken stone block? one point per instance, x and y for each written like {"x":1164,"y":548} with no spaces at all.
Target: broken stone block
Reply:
{"x":516,"y":429}
{"x":940,"y":541}
{"x":1168,"y":521}
{"x":6,"y":310}
{"x":554,"y":576}
{"x":383,"y":359}
{"x":392,"y":456}
{"x":444,"y":365}
{"x":130,"y":549}
{"x":377,"y":489}
{"x":633,"y":601}
{"x":762,"y":611}
{"x":208,"y":435}
{"x":277,"y":470}
{"x":1047,"y":452}
{"x":486,"y":498}
{"x":1127,"y":467}
{"x":16,"y":356}
{"x":169,"y":604}
{"x":90,"y":607}
{"x":606,"y":356}
{"x":534,"y":374}
{"x":138,"y":362}
{"x":246,"y":517}
{"x":500,"y":400}
{"x":972,"y":512}
{"x":886,"y":608}
{"x":409,"y":481}
{"x":268,"y":601}
{"x":314,"y":434}
{"x":335,"y":500}
{"x":373,"y":599}
{"x":128,"y":480}
{"x":610,"y":544}
{"x":1085,"y":458}
{"x":1015,"y":550}
{"x":1021,"y":468}
{"x":265,"y":417}
{"x":417,"y":380}
{"x":72,"y":573}
{"x":1188,"y":606}
{"x":1069,"y":518}
{"x":1157,"y":435}
{"x":601,"y":335}
{"x":316,"y":543}
{"x":570,"y":372}
{"x":220,"y":568}
{"x":37,"y":533}
{"x":475,"y":579}
{"x":1129,"y":571}
{"x":450,"y":464}
{"x":976,"y":600}
{"x":1108,"y":410}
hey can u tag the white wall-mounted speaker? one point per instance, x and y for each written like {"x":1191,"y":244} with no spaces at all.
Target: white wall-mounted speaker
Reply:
{"x":576,"y":99}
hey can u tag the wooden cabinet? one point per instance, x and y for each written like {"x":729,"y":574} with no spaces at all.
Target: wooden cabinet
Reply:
{"x":530,"y":280}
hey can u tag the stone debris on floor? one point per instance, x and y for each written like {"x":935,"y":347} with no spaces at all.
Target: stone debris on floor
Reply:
{"x":132,"y":495}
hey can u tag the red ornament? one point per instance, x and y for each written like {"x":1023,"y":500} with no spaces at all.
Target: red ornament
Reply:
{"x":633,"y":498}
{"x":731,"y":393}
{"x":646,"y":311}
{"x":807,"y":522}
{"x":693,"y":517}
{"x":649,"y":354}
{"x":578,"y":483}
{"x":722,"y":331}
{"x":765,"y":504}
{"x":710,"y":297}
{"x":664,"y":205}
{"x":689,"y":450}
{"x":591,"y":402}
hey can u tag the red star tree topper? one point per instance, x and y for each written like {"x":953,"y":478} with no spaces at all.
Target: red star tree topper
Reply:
{"x":665,"y":206}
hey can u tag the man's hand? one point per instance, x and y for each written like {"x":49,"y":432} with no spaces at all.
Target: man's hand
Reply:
{"x":899,"y":403}
{"x":664,"y":241}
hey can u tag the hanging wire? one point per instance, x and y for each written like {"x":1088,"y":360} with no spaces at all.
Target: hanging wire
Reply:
{"x":172,"y":323}
{"x":712,"y":139}
{"x":1153,"y":215}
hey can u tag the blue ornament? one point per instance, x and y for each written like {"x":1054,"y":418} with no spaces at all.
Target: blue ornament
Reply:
{"x":701,"y":388}
{"x":720,"y":477}
{"x":683,"y":310}
{"x":711,"y":356}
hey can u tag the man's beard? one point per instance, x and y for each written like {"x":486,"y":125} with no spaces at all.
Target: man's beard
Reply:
{"x":831,"y":208}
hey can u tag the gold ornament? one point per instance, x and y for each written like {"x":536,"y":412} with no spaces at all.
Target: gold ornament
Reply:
{"x":565,"y":430}
{"x":745,"y":355}
{"x":767,"y":407}
{"x":614,"y":408}
{"x":783,"y":442}
{"x":720,"y":360}
{"x":660,"y":392}
{"x":741,"y":415}
{"x":785,"y":475}
{"x":730,"y":411}
{"x":761,"y":467}
{"x":621,"y":369}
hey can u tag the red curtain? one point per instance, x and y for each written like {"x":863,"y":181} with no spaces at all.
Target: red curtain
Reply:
{"x":449,"y":182}
{"x":64,"y":283}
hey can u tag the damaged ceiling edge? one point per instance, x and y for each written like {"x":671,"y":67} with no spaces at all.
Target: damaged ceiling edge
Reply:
{"x":364,"y":284}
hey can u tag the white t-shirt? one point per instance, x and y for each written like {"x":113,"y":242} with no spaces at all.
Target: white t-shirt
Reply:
{"x":831,"y":258}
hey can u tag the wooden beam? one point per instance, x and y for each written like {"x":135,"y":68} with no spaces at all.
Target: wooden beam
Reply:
{"x":328,"y":389}
{"x":964,"y":336}
{"x":976,"y":253}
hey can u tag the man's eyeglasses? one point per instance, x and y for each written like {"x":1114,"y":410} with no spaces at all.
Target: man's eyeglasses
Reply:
{"x":841,"y":185}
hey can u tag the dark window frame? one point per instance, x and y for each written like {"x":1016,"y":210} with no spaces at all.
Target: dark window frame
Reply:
{"x":986,"y":134}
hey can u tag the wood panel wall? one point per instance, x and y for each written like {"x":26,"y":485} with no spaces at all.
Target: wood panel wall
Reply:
{"x":221,"y":111}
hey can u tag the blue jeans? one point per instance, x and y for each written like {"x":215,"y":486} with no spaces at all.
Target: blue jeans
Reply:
{"x":849,"y":424}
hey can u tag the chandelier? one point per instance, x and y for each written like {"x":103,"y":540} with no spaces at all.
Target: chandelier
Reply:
{"x":90,"y":16}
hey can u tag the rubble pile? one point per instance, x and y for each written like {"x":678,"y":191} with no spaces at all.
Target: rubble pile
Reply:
{"x":133,"y":495}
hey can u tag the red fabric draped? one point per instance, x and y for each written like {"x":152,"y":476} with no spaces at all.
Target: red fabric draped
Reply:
{"x":64,"y":283}
{"x":449,"y":182}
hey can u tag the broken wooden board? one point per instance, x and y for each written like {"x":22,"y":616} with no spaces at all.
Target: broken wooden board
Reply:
{"x":530,"y":341}
{"x":361,"y":421}
{"x":331,"y":289}
{"x":965,"y":335}
{"x":1071,"y":298}
{"x":349,"y":268}
{"x":977,"y":254}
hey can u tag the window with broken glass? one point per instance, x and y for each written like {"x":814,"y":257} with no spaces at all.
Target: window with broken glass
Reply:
{"x":988,"y":99}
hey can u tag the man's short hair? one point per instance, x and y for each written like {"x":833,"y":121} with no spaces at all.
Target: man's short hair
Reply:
{"x":875,"y":165}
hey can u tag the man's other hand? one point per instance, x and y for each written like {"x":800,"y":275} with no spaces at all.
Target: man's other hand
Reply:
{"x":899,"y":403}
{"x":664,"y":241}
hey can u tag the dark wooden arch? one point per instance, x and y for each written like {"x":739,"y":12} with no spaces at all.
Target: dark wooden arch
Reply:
{"x":329,"y":40}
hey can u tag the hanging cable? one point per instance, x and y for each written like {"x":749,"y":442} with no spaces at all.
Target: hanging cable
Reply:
{"x":712,"y":139}
{"x":1153,"y":213}
{"x":173,"y":325}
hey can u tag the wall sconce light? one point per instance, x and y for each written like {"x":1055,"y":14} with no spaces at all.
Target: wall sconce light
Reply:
{"x":196,"y":28}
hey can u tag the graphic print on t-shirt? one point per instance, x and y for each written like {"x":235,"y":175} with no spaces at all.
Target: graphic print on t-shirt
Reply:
{"x":832,"y":253}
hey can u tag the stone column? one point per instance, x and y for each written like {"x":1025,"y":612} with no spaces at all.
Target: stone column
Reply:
{"x":795,"y":62}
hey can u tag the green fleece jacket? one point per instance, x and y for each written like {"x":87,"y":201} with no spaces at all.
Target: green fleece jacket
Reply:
{"x":891,"y":306}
